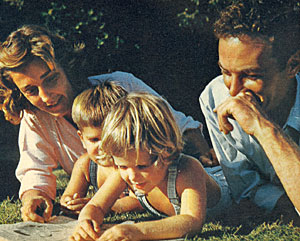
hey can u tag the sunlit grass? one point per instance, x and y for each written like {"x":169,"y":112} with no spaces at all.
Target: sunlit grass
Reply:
{"x":246,"y":228}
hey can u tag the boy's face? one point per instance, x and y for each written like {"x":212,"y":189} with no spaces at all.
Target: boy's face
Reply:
{"x":142,"y":174}
{"x":90,"y":138}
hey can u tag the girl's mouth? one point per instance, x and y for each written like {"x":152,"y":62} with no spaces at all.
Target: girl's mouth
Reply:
{"x":139,"y":185}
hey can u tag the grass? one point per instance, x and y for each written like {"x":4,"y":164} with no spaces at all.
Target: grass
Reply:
{"x":240,"y":225}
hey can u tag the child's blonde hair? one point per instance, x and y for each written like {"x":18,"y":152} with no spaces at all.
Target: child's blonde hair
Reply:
{"x":91,"y":106}
{"x":141,"y":121}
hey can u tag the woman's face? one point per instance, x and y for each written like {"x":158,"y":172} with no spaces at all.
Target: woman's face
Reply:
{"x":45,"y":87}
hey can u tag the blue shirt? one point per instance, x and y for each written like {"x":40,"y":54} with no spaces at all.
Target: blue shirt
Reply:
{"x":247,"y":169}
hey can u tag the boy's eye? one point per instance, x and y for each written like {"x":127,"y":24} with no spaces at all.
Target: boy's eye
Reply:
{"x":94,"y":140}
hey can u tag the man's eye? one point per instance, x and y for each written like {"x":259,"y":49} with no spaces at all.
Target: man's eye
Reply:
{"x":254,"y":77}
{"x":225,"y":72}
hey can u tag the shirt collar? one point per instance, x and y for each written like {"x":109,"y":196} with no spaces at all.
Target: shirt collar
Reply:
{"x":294,"y":116}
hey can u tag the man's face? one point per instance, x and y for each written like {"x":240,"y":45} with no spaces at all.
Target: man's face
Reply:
{"x":247,"y":64}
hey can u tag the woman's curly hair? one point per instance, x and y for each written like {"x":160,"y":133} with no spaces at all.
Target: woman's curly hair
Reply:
{"x":19,"y":49}
{"x":274,"y":21}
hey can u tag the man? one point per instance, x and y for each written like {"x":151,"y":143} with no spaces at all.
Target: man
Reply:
{"x":253,"y":110}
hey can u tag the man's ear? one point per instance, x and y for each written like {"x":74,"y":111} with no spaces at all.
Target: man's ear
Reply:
{"x":81,"y":138}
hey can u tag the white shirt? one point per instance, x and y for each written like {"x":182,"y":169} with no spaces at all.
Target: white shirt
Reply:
{"x":46,"y":141}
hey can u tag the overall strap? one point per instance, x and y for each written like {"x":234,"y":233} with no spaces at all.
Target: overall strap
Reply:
{"x":93,"y":167}
{"x":171,"y":187}
{"x":146,"y":205}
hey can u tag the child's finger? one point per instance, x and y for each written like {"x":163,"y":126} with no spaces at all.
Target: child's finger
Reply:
{"x":79,"y":201}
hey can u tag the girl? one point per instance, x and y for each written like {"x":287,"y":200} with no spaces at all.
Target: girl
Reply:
{"x":142,"y":140}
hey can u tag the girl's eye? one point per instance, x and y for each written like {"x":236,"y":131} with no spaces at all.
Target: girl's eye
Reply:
{"x":142,"y":167}
{"x":122,"y":167}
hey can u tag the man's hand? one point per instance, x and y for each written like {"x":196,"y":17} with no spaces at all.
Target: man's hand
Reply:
{"x":36,"y":206}
{"x":243,"y":108}
{"x":195,"y":145}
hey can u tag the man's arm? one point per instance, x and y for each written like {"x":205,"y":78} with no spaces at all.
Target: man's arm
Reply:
{"x":284,"y":155}
{"x":282,"y":152}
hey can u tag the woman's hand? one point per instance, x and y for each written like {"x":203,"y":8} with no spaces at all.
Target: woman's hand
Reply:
{"x":36,"y":206}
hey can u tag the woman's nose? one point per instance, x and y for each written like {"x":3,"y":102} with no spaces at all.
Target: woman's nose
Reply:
{"x":45,"y":95}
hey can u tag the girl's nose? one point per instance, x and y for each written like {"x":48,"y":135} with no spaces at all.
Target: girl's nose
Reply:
{"x":132,"y":174}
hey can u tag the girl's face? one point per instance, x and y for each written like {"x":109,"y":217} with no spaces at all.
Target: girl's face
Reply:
{"x":45,"y":87}
{"x":142,"y":172}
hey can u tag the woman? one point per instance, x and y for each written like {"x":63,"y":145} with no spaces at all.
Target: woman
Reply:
{"x":41,"y":73}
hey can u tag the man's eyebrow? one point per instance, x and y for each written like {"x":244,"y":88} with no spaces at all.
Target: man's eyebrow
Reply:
{"x":250,"y":70}
{"x":44,"y":75}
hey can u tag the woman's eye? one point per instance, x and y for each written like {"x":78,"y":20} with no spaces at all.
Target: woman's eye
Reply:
{"x":122,"y":167}
{"x":31,"y":91}
{"x":52,"y":80}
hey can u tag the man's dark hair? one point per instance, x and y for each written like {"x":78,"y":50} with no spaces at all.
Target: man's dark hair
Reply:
{"x":275,"y":21}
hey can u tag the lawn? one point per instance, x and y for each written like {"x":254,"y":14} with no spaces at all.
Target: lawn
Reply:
{"x":242,"y":224}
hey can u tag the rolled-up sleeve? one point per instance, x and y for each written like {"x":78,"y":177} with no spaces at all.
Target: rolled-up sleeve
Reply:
{"x":37,"y":158}
{"x":45,"y":142}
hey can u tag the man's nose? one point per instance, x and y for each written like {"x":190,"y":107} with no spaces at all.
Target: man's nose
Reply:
{"x":236,"y":85}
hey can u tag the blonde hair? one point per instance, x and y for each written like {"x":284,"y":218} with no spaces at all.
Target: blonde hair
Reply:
{"x":91,"y":106}
{"x":141,"y":121}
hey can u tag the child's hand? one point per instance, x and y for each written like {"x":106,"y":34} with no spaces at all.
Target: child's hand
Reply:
{"x":74,"y":203}
{"x":89,"y":221}
{"x":122,"y":232}
{"x":86,"y":230}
